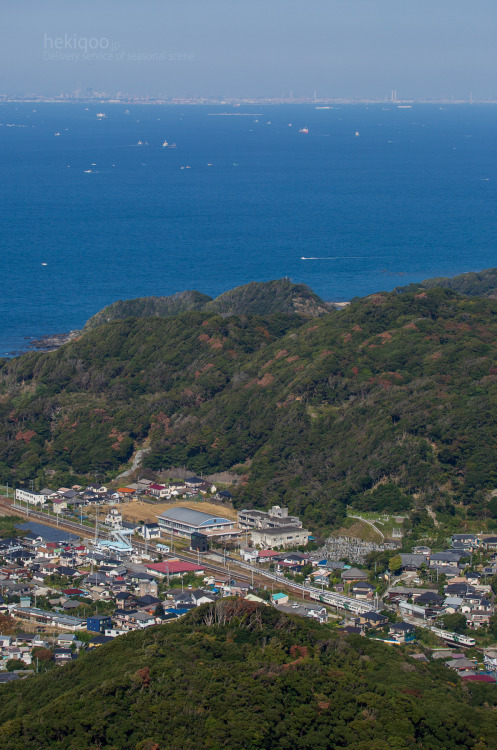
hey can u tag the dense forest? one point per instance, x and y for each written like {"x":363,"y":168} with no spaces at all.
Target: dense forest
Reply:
{"x":398,"y":389}
{"x":256,"y":298}
{"x":240,"y":676}
{"x":473,"y":284}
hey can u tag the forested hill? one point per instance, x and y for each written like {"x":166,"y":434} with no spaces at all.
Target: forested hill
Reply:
{"x":235,"y":675}
{"x":397,"y":390}
{"x":472,"y":284}
{"x":256,"y":298}
{"x":146,"y":307}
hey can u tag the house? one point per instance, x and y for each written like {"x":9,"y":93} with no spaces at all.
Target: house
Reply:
{"x":149,"y":531}
{"x":63,"y":570}
{"x":413,"y":610}
{"x":249,"y":554}
{"x":321,"y":577}
{"x":98,"y":623}
{"x":49,"y":494}
{"x":224,"y":495}
{"x":362,"y":590}
{"x":354,"y":574}
{"x":412,"y":561}
{"x":267,"y":555}
{"x":452,"y":604}
{"x":429,"y":598}
{"x":490,"y":659}
{"x":373,"y":620}
{"x":314,"y":611}
{"x":99,"y":489}
{"x":194,"y":482}
{"x":138,"y":620}
{"x":476,"y":619}
{"x":490,"y":542}
{"x":445,"y":559}
{"x":62,"y":655}
{"x":147,"y":602}
{"x":158,"y":490}
{"x":237,"y":588}
{"x":401,"y":632}
{"x":202,"y":597}
{"x":461,"y":665}
{"x":114,"y":518}
{"x":126,"y":493}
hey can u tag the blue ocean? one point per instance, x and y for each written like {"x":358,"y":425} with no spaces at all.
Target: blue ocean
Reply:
{"x":95,"y":206}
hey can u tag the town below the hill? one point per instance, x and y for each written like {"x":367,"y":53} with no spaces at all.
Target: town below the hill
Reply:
{"x":82,"y":566}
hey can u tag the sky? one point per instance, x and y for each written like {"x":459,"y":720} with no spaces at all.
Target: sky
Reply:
{"x":250,"y":48}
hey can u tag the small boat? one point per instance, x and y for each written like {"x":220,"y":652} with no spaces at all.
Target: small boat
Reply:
{"x":357,"y":133}
{"x":56,"y":133}
{"x":44,"y":264}
{"x":165,"y":144}
{"x":303,"y":130}
{"x":140,"y":143}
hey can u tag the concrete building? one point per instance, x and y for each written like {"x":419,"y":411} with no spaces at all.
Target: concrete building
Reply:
{"x":282,"y":536}
{"x":259,"y":519}
{"x":24,"y":497}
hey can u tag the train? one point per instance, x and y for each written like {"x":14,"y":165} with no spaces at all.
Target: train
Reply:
{"x":354,"y":606}
{"x":461,"y":640}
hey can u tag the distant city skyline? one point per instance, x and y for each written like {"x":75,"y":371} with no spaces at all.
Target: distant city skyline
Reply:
{"x":258,"y":49}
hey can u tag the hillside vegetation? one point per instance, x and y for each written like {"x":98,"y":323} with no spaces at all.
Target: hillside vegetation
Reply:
{"x":234,"y":675}
{"x":393,"y":397}
{"x":472,"y":284}
{"x":256,"y":298}
{"x":147,"y":307}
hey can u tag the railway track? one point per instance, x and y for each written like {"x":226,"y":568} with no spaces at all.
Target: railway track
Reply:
{"x":231,"y":566}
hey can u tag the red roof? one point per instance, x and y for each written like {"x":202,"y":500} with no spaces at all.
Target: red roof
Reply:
{"x":268,"y":553}
{"x":175,"y":566}
{"x":478,"y":678}
{"x":156,"y":487}
{"x":72,"y":592}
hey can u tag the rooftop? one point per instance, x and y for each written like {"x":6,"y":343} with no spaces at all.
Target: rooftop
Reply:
{"x":192,"y":517}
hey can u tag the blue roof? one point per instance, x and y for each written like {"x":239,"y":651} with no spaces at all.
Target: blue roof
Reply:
{"x":47,"y":533}
{"x":192,"y":517}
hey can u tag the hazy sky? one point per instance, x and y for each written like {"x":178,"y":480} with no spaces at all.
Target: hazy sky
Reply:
{"x":422,"y":48}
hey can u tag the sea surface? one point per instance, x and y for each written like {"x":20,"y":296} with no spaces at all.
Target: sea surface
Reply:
{"x":372,"y":197}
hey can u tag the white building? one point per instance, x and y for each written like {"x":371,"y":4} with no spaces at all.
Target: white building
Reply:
{"x":24,"y":497}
